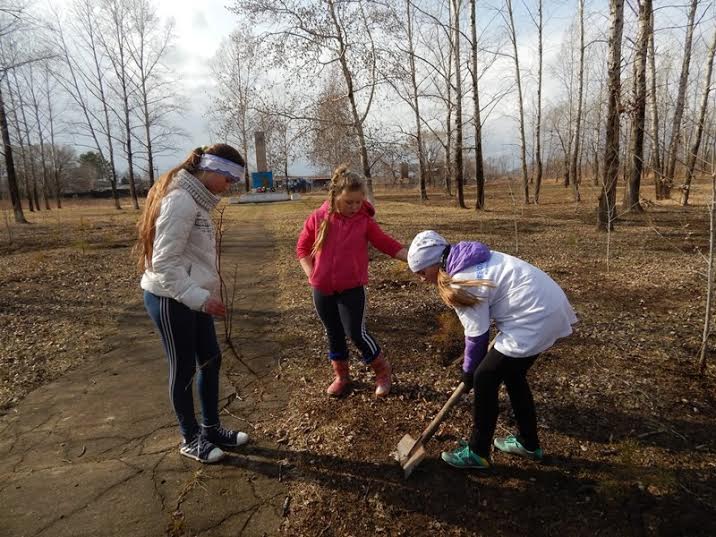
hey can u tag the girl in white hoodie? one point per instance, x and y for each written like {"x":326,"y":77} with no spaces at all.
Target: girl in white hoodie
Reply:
{"x":177,"y":252}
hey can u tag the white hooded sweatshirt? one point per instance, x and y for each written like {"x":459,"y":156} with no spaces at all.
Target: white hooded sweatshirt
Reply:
{"x":184,"y":256}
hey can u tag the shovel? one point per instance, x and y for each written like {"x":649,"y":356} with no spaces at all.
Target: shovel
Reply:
{"x":411,"y":452}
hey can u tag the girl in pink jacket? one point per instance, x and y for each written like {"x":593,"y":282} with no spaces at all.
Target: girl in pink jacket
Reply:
{"x":333,"y":252}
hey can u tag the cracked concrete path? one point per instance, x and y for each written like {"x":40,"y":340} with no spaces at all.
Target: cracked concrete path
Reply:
{"x":95,"y":453}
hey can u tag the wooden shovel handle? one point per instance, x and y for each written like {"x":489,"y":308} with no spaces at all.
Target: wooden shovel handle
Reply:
{"x":437,"y":420}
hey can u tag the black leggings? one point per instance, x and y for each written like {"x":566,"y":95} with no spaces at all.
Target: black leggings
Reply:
{"x":343,"y":313}
{"x":495,"y":369}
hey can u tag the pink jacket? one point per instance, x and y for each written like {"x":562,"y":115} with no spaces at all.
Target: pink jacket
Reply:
{"x":342,"y":262}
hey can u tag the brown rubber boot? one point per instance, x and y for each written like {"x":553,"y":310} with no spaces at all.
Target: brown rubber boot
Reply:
{"x":383,"y":373}
{"x":339,"y":386}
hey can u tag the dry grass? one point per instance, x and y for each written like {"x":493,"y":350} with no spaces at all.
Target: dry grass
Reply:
{"x":65,"y":279}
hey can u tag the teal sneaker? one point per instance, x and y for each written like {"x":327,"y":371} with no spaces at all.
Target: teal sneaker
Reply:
{"x":511,"y":445}
{"x":464,"y":457}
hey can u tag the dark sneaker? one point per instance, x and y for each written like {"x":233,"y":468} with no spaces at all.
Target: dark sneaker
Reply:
{"x":511,"y":445}
{"x":201,"y":450}
{"x":464,"y":457}
{"x":223,"y":437}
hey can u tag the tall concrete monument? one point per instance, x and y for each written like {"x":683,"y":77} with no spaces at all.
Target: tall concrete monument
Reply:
{"x":260,"y":142}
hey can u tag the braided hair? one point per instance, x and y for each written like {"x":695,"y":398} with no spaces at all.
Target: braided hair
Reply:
{"x":343,"y":180}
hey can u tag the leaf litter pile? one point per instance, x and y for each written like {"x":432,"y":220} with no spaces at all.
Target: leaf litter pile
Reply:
{"x":625,"y":420}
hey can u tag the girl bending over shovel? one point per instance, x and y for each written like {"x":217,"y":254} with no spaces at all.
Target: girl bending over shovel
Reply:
{"x":530,"y":312}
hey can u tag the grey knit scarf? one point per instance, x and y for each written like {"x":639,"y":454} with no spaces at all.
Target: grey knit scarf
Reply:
{"x":186,"y":181}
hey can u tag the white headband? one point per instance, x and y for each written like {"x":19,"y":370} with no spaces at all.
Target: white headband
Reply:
{"x":212,"y":163}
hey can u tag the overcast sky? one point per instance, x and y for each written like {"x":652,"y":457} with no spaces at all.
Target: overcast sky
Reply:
{"x":200,"y":27}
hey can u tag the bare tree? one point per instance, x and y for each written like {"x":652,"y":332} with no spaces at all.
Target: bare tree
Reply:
{"x":709,"y":271}
{"x":539,"y":24}
{"x":691,"y":162}
{"x":404,"y":79}
{"x":114,"y":39}
{"x":10,"y":163}
{"x":636,"y":149}
{"x":236,"y":69}
{"x":330,"y":138}
{"x":85,"y":81}
{"x":147,"y":47}
{"x":607,"y":198}
{"x":55,"y":160}
{"x":458,"y":171}
{"x":438,"y":44}
{"x":33,"y":88}
{"x":656,"y":163}
{"x":310,"y":35}
{"x":580,"y":92}
{"x":680,"y":102}
{"x":410,"y":16}
{"x":512,"y":32}
{"x":12,"y":21}
{"x":479,"y":167}
{"x":19,"y":132}
{"x":24,"y":128}
{"x":284,"y":135}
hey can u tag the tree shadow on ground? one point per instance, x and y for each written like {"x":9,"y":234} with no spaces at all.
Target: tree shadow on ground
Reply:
{"x":512,"y":499}
{"x":609,"y":425}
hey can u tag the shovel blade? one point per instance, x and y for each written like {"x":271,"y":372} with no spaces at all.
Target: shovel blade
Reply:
{"x":404,"y":446}
{"x":409,"y":463}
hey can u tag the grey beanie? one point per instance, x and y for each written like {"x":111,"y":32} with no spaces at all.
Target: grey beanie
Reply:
{"x":426,"y":250}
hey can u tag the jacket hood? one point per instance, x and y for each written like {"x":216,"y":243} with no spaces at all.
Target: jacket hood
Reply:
{"x":464,"y":255}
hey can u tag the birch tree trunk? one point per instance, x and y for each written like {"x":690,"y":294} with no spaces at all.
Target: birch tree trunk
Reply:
{"x":693,"y":154}
{"x":636,"y":149}
{"x":607,"y":198}
{"x":416,"y":101}
{"x":23,"y":152}
{"x":458,"y":171}
{"x":538,"y":127}
{"x":10,"y":164}
{"x":709,"y":272}
{"x":680,"y":102}
{"x":657,"y":165}
{"x":521,"y":110}
{"x":479,"y":167}
{"x":580,"y":92}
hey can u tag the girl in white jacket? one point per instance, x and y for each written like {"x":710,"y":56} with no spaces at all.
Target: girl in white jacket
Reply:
{"x":530,"y":311}
{"x":177,"y":252}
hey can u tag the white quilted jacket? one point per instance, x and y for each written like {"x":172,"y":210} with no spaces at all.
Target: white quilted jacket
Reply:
{"x":184,"y":256}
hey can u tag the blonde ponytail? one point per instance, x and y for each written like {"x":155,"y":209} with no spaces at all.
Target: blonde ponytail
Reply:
{"x":452,"y":292}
